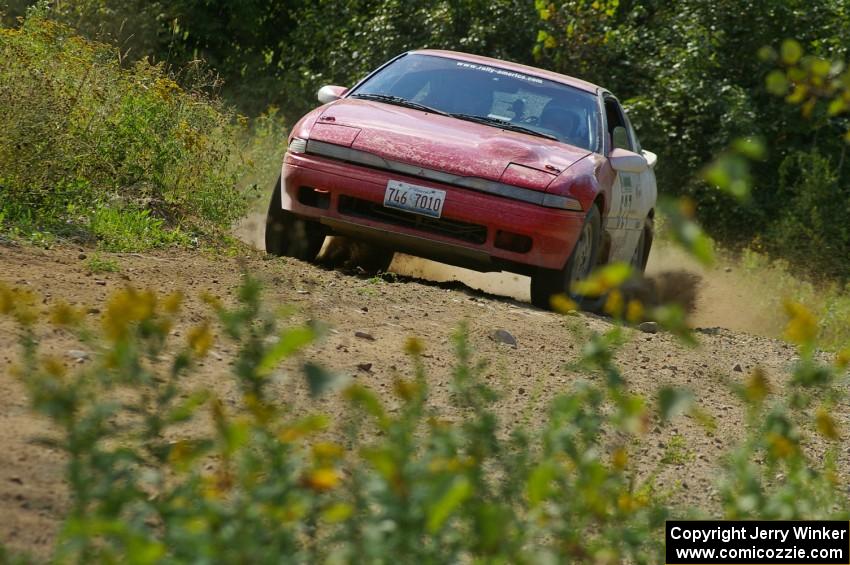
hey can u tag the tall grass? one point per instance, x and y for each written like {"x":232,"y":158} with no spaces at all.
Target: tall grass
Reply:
{"x":777,"y":281}
{"x":80,"y":135}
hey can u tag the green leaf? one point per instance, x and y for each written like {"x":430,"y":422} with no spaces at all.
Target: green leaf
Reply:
{"x":186,"y":409}
{"x":819,"y":67}
{"x":289,"y":342}
{"x":539,"y":483}
{"x":338,"y":512}
{"x":776,"y":83}
{"x":750,"y":147}
{"x":837,"y":106}
{"x":459,"y":490}
{"x":767,"y":54}
{"x":673,"y":402}
{"x":673,"y":319}
{"x":365,"y":399}
{"x":791,"y":51}
{"x":383,"y":462}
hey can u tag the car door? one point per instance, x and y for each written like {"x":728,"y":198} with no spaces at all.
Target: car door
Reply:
{"x":628,"y":194}
{"x":647,"y":191}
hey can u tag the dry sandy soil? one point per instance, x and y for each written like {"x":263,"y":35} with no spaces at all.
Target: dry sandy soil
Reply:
{"x":32,"y":492}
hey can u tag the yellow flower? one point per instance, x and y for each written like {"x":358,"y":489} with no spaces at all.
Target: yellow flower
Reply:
{"x":826,"y":424}
{"x":561,"y":303}
{"x":65,"y":315}
{"x":211,"y":300}
{"x":322,"y":479}
{"x":620,"y":458}
{"x":628,"y":503}
{"x":413,"y":346}
{"x":172,"y":302}
{"x":780,"y":446}
{"x":20,"y":303}
{"x":614,"y":304}
{"x":634,"y":311}
{"x":324,"y":451}
{"x":125,"y":308}
{"x":406,"y":390}
{"x":53,"y":366}
{"x":757,"y":387}
{"x":200,"y":339}
{"x":802,"y":325}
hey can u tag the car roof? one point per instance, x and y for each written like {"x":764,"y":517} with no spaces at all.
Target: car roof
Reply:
{"x":516,"y":67}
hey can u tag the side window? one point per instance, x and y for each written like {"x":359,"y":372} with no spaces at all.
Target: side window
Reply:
{"x":617,"y":126}
{"x":633,"y":135}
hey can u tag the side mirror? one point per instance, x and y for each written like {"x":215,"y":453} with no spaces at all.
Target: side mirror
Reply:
{"x":627,"y":162}
{"x":330,"y":93}
{"x":651,"y":158}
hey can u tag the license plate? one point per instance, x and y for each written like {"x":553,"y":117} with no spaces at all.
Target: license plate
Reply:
{"x":417,"y":199}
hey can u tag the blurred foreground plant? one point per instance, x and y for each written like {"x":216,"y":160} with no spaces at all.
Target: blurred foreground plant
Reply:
{"x":162,"y":469}
{"x":254,"y":482}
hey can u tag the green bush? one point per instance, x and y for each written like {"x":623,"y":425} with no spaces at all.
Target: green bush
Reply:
{"x":812,"y":229}
{"x":81,"y":138}
{"x":257,"y":481}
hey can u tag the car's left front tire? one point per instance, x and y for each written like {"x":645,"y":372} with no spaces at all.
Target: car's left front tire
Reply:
{"x":287,"y":235}
{"x":546,"y":283}
{"x":641,"y":255}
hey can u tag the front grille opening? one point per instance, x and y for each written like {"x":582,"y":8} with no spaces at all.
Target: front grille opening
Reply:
{"x":472,"y":233}
{"x":309,"y":196}
{"x":512,"y":241}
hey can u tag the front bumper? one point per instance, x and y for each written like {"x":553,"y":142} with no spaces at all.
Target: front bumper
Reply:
{"x":466,"y":235}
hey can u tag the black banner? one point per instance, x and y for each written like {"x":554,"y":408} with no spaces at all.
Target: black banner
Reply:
{"x":694,"y":542}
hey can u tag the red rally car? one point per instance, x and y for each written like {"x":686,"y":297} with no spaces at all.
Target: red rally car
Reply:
{"x":471,"y":161}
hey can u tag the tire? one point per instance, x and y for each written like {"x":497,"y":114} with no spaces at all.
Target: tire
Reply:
{"x":546,"y":283}
{"x":641,"y":255}
{"x":288,"y":235}
{"x":343,"y":252}
{"x":376,"y":259}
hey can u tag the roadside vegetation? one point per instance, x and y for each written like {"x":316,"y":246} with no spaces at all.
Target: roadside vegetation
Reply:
{"x":108,"y":143}
{"x":124,"y":157}
{"x":260,"y":481}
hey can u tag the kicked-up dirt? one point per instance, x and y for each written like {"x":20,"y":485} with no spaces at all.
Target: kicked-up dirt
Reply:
{"x":370,"y":320}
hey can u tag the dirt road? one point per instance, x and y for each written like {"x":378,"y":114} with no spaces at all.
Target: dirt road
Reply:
{"x":32,"y":493}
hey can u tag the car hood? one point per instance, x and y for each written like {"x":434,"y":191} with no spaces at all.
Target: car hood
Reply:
{"x":443,"y":143}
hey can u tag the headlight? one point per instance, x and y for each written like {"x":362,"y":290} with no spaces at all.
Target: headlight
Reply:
{"x":297,"y":145}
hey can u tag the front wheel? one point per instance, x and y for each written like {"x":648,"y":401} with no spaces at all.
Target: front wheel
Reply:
{"x":288,"y":235}
{"x":644,"y":244}
{"x":353,"y":254}
{"x":546,"y":283}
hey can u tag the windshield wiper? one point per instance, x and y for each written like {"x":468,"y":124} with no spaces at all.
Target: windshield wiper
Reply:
{"x":399,"y":101}
{"x":504,"y":124}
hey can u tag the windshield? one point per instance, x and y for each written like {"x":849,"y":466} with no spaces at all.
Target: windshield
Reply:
{"x":489,"y":95}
